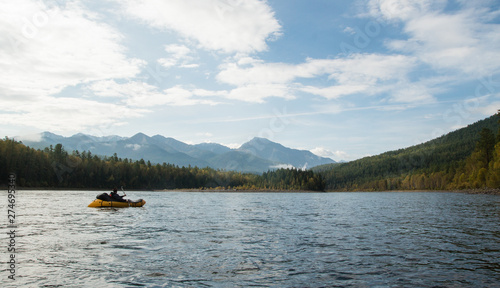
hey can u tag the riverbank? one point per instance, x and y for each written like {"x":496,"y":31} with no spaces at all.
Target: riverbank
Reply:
{"x":216,"y":190}
{"x":489,"y":191}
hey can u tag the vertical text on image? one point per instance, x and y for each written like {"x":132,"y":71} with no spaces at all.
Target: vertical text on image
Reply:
{"x":11,"y":226}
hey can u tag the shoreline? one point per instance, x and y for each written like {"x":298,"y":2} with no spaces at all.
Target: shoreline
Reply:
{"x":209,"y":190}
{"x":479,"y":191}
{"x":487,"y":191}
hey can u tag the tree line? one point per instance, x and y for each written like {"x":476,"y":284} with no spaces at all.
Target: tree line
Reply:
{"x":468,"y":158}
{"x":54,"y":167}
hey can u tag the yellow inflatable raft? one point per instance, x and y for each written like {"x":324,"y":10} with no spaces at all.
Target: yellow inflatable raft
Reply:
{"x":129,"y":203}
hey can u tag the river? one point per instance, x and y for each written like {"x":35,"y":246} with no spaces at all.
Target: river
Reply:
{"x":189,"y":239}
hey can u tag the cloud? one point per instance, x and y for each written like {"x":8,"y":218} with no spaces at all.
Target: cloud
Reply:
{"x":334,"y":92}
{"x":140,"y":94}
{"x":37,"y":137}
{"x":234,"y":26}
{"x":179,"y":55}
{"x":134,"y":147}
{"x":370,"y":74}
{"x":411,"y":92}
{"x":463,"y":41}
{"x":48,"y":48}
{"x":404,"y":9}
{"x":65,"y":114}
{"x":490,"y":109}
{"x":485,"y":105}
{"x":110,"y":88}
{"x":323,"y":152}
{"x":282,"y":166}
{"x":257,"y":72}
{"x":257,"y":93}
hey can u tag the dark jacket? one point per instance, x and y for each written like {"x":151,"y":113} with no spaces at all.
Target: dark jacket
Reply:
{"x":116,"y":197}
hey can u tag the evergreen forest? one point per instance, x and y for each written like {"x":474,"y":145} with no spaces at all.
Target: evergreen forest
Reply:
{"x":54,"y":167}
{"x":468,"y":158}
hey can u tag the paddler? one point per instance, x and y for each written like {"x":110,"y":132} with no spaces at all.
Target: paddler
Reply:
{"x":114,"y":195}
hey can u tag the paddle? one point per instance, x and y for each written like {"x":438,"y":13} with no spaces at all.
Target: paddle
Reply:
{"x":128,"y":200}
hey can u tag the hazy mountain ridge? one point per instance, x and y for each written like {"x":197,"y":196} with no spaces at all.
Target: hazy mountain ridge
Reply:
{"x":276,"y":152}
{"x":257,"y":155}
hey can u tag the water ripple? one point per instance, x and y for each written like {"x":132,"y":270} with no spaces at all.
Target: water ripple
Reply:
{"x":262,"y":240}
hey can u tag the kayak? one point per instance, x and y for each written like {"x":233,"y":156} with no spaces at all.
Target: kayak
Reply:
{"x":101,"y":203}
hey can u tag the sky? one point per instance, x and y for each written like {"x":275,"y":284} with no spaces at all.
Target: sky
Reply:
{"x":343,"y":79}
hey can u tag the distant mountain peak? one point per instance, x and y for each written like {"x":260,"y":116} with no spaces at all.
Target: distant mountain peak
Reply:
{"x":139,"y":137}
{"x":47,"y":134}
{"x":140,"y":134}
{"x":259,"y":142}
{"x":267,"y":149}
{"x":257,"y":155}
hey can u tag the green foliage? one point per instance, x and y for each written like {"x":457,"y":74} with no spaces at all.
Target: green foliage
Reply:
{"x":485,"y":145}
{"x":462,"y":159}
{"x":55,"y":168}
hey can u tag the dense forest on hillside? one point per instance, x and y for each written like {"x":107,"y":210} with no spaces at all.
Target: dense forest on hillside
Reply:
{"x":464,"y":159}
{"x":53,"y":167}
{"x":468,"y":158}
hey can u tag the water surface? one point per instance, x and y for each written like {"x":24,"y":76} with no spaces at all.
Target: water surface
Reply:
{"x":257,"y":239}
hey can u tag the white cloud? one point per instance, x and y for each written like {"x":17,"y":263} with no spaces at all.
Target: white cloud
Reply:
{"x":257,"y":93}
{"x":462,"y":41}
{"x":192,"y":65}
{"x":110,"y":88}
{"x":179,"y":55}
{"x":404,"y":9}
{"x":64,"y":114}
{"x":134,"y":147}
{"x":490,"y":109}
{"x":140,"y":94}
{"x":349,"y":30}
{"x":411,"y":92}
{"x":334,"y":92}
{"x":48,"y":48}
{"x":234,"y":26}
{"x":37,"y":137}
{"x":359,"y":73}
{"x":282,"y":166}
{"x":257,"y":73}
{"x":324,"y":152}
{"x":484,"y":105}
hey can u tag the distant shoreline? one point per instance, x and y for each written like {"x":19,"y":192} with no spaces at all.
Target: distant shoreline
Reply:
{"x":489,"y":191}
{"x":208,"y":190}
{"x":482,"y":191}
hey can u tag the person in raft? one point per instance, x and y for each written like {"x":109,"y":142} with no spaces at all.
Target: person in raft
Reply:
{"x":114,"y":195}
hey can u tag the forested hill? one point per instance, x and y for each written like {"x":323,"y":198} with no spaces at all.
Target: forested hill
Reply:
{"x":53,"y":167}
{"x":436,"y":164}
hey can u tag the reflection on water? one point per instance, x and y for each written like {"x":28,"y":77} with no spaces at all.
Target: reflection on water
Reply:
{"x":255,"y":239}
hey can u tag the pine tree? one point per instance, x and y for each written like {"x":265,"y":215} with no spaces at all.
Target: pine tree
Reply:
{"x":486,"y":145}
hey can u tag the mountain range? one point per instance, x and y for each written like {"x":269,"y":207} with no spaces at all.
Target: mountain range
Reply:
{"x":256,"y":156}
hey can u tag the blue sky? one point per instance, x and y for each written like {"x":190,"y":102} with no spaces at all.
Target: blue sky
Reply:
{"x":343,"y":79}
